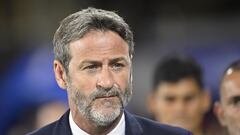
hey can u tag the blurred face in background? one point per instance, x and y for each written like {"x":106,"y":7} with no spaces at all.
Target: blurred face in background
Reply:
{"x":228,"y":110}
{"x":180,"y":103}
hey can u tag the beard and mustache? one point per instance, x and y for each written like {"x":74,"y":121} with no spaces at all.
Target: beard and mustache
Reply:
{"x":87,"y":107}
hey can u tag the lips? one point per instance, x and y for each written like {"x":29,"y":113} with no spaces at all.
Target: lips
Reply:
{"x":105,"y":95}
{"x":111,"y":96}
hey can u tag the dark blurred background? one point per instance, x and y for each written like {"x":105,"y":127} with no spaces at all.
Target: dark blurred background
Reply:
{"x":207,"y":30}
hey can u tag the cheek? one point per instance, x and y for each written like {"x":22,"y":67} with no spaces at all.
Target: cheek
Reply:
{"x":122,"y":80}
{"x":163,"y":108}
{"x":195,"y":111}
{"x":163,"y":112}
{"x":231,"y":114}
{"x":232,"y":120}
{"x":85,"y":84}
{"x":194,"y":106}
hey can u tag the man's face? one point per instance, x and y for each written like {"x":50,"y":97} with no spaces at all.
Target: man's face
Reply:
{"x":229,"y":107}
{"x":99,"y":77}
{"x":180,"y":104}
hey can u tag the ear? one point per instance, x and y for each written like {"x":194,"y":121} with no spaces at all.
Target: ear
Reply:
{"x":219,"y":112}
{"x":60,"y":74}
{"x":206,"y":100}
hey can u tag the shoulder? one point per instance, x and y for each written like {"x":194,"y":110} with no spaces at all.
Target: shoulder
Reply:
{"x":152,"y":127}
{"x":59,"y":127}
{"x":47,"y":130}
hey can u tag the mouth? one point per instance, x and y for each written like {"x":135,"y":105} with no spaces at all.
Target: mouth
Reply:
{"x":106,"y":97}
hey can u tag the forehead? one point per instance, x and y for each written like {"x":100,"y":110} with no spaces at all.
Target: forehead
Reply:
{"x":99,"y":44}
{"x":185,"y":86}
{"x":231,"y":85}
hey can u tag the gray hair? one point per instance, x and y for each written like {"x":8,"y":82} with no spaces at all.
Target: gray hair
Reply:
{"x":76,"y":25}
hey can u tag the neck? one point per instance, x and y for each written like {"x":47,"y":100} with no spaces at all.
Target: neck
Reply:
{"x":89,"y":126}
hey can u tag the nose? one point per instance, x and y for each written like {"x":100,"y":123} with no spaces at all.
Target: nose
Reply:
{"x":180,"y":107}
{"x":105,"y":79}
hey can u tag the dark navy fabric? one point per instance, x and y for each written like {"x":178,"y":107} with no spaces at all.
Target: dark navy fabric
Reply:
{"x":135,"y":125}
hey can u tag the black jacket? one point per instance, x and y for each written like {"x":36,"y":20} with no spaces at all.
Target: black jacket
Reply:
{"x":135,"y":125}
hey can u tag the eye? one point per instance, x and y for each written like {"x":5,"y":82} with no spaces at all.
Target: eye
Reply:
{"x":189,"y":98}
{"x":236,"y":101}
{"x":91,"y":68}
{"x":117,"y":66}
{"x":170,"y":99}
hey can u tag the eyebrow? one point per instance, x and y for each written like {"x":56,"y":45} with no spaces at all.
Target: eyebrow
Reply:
{"x":85,"y":62}
{"x":114,"y":60}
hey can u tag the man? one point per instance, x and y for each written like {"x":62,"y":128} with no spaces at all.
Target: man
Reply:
{"x":178,"y":97}
{"x":228,"y":108}
{"x":93,"y":52}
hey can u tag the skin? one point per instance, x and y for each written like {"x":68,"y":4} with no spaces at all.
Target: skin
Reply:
{"x":100,"y":62}
{"x":228,"y":109}
{"x":180,"y":104}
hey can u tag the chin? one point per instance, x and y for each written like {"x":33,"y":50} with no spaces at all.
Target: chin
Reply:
{"x":105,"y":117}
{"x":107,"y":107}
{"x":109,"y":111}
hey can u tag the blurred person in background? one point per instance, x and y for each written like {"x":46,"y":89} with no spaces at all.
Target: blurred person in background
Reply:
{"x":49,"y":113}
{"x":93,"y":61}
{"x":38,"y":117}
{"x":227,"y":109}
{"x":178,"y":97}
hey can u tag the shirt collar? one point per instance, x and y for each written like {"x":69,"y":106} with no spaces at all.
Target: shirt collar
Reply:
{"x":118,"y":130}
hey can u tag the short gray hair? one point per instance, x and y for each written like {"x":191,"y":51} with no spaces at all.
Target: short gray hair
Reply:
{"x":76,"y":25}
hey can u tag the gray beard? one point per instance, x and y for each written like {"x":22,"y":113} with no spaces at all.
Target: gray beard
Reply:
{"x":86,"y":108}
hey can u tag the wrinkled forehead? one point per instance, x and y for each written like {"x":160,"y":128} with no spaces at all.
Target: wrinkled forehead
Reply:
{"x":99,"y":45}
{"x":95,"y":40}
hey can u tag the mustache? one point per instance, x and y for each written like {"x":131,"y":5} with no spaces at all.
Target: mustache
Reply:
{"x":101,"y":92}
